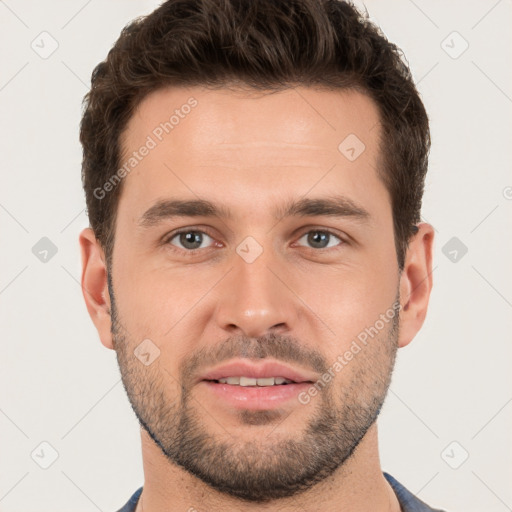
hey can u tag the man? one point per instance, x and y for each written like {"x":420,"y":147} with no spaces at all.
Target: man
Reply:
{"x":253,"y":173}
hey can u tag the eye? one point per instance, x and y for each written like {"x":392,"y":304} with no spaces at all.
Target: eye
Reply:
{"x":190,"y":239}
{"x":321,"y":239}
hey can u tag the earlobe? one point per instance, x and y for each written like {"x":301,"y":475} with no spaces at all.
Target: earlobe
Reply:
{"x":416,"y":283}
{"x":95,"y":286}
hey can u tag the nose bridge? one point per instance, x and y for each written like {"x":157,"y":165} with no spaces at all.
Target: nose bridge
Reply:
{"x":253,"y":298}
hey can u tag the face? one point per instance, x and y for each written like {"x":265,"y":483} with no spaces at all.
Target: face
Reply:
{"x":250,"y":244}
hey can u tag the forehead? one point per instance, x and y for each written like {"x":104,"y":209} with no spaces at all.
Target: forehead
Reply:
{"x":235,"y":116}
{"x":206,"y":142}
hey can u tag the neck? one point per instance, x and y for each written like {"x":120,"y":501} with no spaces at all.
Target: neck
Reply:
{"x":357,"y":486}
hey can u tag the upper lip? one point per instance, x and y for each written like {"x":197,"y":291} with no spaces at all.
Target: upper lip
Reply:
{"x":245,"y":368}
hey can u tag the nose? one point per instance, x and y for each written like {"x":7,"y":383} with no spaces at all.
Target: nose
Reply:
{"x":255,"y":299}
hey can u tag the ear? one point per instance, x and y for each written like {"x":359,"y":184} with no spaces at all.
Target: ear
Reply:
{"x":416,"y":283}
{"x":95,"y":286}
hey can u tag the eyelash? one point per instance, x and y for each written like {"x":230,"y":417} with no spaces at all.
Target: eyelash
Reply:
{"x":174,"y":234}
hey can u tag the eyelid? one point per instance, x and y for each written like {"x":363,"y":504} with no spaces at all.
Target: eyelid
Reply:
{"x":166,"y":239}
{"x":341,"y":238}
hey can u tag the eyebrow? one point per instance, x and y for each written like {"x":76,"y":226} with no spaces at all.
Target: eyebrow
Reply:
{"x":332,"y":206}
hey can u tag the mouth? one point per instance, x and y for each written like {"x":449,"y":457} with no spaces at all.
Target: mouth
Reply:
{"x":254,"y":382}
{"x":245,"y":373}
{"x":245,"y":385}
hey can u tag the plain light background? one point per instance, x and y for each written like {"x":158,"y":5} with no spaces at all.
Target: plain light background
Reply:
{"x":445,"y":428}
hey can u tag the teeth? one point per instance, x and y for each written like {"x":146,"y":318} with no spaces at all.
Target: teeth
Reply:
{"x":248,"y":381}
{"x":251,"y":381}
{"x":268,"y":381}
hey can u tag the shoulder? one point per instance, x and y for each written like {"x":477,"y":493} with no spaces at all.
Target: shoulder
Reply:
{"x":408,"y":501}
{"x":132,"y":502}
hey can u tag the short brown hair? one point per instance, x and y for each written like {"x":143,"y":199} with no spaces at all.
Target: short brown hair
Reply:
{"x":264,"y":45}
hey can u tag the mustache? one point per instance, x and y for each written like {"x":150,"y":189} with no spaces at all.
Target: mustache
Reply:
{"x":272,"y":345}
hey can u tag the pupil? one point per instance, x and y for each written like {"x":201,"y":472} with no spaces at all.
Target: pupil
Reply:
{"x":316,"y":238}
{"x":191,"y":238}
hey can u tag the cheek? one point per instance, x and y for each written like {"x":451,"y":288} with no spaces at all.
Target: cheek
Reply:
{"x":348,"y":299}
{"x":165,"y":305}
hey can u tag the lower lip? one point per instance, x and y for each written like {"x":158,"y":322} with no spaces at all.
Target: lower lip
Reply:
{"x":256,"y":398}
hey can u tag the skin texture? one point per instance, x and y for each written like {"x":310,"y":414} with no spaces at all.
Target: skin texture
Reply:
{"x":303,"y":300}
